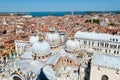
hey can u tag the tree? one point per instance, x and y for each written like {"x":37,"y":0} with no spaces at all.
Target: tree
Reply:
{"x":81,"y":54}
{"x":111,"y":24}
{"x":4,"y":32}
{"x":88,"y":21}
{"x":96,"y":21}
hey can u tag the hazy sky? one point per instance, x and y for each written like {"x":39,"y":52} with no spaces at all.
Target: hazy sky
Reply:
{"x":58,"y":5}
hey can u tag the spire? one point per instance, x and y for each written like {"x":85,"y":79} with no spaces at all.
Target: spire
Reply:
{"x":72,"y":13}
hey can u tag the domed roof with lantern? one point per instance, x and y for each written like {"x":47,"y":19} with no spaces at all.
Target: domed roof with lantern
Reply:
{"x":53,"y":38}
{"x":72,"y":45}
{"x":41,"y":48}
{"x":33,"y":39}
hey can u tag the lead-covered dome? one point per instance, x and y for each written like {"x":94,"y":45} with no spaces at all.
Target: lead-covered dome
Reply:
{"x":41,"y":48}
{"x":53,"y":38}
{"x":33,"y":39}
{"x":63,"y":37}
{"x":72,"y":45}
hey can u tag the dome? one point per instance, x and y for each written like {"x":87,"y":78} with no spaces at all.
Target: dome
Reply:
{"x":33,"y":39}
{"x":41,"y":48}
{"x":72,"y":45}
{"x":63,"y":37}
{"x":53,"y":38}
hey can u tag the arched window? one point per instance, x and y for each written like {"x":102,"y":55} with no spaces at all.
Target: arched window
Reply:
{"x":67,"y":61}
{"x":104,"y":77}
{"x":117,"y":52}
{"x":16,"y":78}
{"x":113,"y":39}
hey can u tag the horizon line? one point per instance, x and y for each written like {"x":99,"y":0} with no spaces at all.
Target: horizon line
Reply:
{"x":63,"y":11}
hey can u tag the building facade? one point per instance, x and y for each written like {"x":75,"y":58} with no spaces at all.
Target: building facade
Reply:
{"x":99,"y":42}
{"x":21,"y":46}
{"x":105,"y":67}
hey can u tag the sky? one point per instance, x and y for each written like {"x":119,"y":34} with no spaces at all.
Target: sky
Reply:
{"x":58,"y":5}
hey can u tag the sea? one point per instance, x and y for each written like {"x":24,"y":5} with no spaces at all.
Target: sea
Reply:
{"x":59,"y":13}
